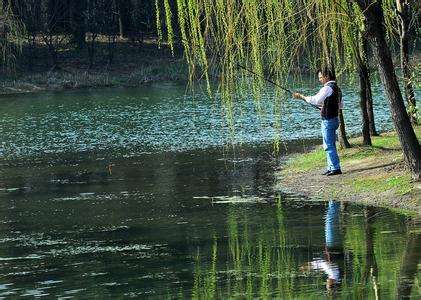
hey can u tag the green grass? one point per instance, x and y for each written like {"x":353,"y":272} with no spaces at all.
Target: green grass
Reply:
{"x":401,"y":184}
{"x":386,"y":144}
{"x":307,"y":161}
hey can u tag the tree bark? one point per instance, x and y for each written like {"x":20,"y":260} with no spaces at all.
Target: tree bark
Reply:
{"x":343,"y":140}
{"x":374,"y":20}
{"x":404,"y":16}
{"x":78,"y":23}
{"x":370,"y":110}
{"x":363,"y":75}
{"x":124,"y":8}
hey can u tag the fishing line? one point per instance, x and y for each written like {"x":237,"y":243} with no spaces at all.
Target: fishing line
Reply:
{"x":272,"y":82}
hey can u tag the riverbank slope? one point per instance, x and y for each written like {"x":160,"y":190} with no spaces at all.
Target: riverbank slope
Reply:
{"x":371,"y":175}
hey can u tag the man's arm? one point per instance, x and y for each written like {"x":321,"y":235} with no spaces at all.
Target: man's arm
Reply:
{"x":320,"y":97}
{"x":317,"y":99}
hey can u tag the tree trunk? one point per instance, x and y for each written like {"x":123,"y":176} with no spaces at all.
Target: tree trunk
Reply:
{"x":111,"y":49}
{"x":363,"y":75}
{"x":49,"y":40}
{"x":91,"y":51}
{"x":56,"y":11}
{"x":374,"y":21}
{"x":370,"y":109}
{"x":404,"y":15}
{"x":343,"y":140}
{"x":78,"y":23}
{"x":124,"y":8}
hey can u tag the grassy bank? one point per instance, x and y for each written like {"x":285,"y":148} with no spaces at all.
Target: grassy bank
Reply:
{"x":132,"y":65}
{"x":372,"y":175}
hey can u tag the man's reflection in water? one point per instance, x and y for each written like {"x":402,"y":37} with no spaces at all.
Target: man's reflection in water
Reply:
{"x":333,"y":252}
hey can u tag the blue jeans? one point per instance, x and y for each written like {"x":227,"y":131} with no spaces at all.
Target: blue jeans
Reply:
{"x":329,"y":143}
{"x":332,"y":229}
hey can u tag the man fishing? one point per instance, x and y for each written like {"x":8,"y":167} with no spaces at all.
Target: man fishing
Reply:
{"x":328,"y":99}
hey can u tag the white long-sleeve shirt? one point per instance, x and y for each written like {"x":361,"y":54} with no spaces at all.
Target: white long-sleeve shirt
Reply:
{"x":320,"y":97}
{"x":331,"y":269}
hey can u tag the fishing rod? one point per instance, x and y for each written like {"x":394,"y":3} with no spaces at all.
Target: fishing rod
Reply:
{"x":274,"y":83}
{"x":265,"y":78}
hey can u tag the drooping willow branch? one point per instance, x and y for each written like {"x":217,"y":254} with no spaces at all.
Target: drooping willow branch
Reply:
{"x":11,"y":36}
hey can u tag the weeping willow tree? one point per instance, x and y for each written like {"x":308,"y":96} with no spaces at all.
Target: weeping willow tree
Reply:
{"x":269,"y":37}
{"x":220,"y":36}
{"x":273,"y":36}
{"x":11,"y":36}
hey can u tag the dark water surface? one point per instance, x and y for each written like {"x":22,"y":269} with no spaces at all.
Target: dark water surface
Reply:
{"x":129,"y":193}
{"x":192,"y":224}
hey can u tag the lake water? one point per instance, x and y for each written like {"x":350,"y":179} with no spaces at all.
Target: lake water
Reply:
{"x":135,"y":193}
{"x":159,"y":117}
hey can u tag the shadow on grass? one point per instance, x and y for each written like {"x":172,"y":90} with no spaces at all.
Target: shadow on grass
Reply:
{"x":373,"y":167}
{"x":387,"y":149}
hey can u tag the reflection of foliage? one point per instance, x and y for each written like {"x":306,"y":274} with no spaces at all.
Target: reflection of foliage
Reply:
{"x":261,"y":259}
{"x":204,"y":286}
{"x":376,"y":253}
{"x":258,"y":263}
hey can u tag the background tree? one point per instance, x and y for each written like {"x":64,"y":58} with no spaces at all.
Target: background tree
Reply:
{"x":407,"y":18}
{"x":111,"y":30}
{"x":369,"y":94}
{"x":78,"y":24}
{"x":374,"y":22}
{"x":60,"y":29}
{"x":402,"y":19}
{"x":101,"y":20}
{"x":54,"y":22}
{"x":29,"y":14}
{"x":124,"y":7}
{"x":143,"y":19}
{"x":11,"y":35}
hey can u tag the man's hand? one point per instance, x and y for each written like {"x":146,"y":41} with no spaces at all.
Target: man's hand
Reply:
{"x":298,"y":96}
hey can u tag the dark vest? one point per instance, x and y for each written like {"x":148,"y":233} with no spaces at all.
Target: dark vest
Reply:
{"x":330,"y":106}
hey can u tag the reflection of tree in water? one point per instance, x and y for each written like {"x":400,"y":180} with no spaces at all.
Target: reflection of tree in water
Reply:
{"x":409,"y":266}
{"x":375,"y":241}
{"x":362,"y":257}
{"x":371,"y":270}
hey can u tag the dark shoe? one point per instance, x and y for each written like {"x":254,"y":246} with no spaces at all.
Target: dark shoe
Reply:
{"x":326,"y":172}
{"x":334,"y":172}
